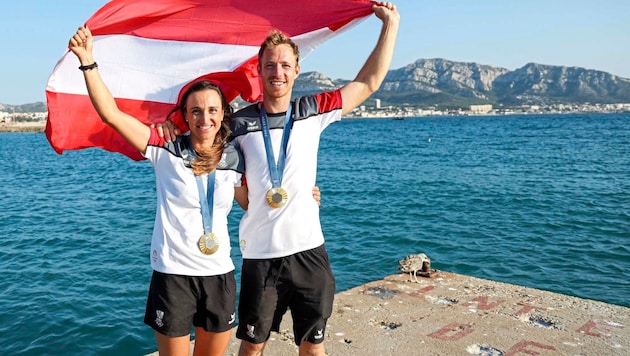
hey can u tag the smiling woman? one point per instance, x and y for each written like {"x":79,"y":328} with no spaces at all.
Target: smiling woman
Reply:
{"x":197,"y":177}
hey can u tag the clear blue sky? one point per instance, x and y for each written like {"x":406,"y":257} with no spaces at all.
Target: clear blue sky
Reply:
{"x":590,"y":34}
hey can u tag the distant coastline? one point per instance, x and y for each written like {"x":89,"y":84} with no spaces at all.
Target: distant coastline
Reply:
{"x":23,"y":127}
{"x":383,"y":113}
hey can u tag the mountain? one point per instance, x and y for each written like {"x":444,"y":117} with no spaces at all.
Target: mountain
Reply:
{"x":24,"y":108}
{"x":444,"y":83}
{"x":437,"y":81}
{"x":543,"y":84}
{"x":440,"y":82}
{"x":315,"y":82}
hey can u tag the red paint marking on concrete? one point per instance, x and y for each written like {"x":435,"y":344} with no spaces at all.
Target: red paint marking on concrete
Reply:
{"x":482,"y":303}
{"x":420,"y":291}
{"x":527,"y":308}
{"x":523,"y":347}
{"x":592,"y":325}
{"x":452,"y":332}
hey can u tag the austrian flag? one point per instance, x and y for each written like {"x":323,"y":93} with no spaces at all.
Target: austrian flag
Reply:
{"x":148,"y":50}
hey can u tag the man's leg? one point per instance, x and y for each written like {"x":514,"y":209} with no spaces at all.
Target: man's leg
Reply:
{"x":249,"y":349}
{"x":310,"y":349}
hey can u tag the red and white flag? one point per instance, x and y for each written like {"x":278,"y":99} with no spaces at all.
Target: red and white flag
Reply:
{"x":148,"y":50}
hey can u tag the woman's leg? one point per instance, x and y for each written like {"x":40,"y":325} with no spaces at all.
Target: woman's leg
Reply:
{"x":173,"y":346}
{"x":211,"y":344}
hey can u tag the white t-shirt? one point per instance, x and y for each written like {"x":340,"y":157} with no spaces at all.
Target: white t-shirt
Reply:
{"x":266,"y":232}
{"x":178,"y":219}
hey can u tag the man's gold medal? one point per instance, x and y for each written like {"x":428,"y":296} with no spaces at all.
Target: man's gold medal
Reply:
{"x":208,"y":243}
{"x":277,"y":197}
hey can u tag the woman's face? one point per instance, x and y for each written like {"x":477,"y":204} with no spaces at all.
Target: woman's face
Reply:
{"x":204,"y":113}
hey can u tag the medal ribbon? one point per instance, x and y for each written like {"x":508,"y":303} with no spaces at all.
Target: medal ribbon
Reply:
{"x":275,"y":170}
{"x":206,"y":211}
{"x":207,"y":204}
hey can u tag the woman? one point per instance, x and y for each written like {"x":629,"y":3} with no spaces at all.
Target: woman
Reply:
{"x":197,"y":178}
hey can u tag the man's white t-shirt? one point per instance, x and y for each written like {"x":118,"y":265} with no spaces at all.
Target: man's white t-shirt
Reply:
{"x":267,"y":232}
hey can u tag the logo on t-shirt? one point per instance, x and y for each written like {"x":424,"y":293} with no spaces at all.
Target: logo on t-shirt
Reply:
{"x":252,"y":126}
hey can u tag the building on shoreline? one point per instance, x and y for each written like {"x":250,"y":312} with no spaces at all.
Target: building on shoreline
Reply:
{"x":477,"y":110}
{"x":23,"y":122}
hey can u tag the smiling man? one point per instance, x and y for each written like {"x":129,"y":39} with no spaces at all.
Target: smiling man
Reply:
{"x":285,"y":263}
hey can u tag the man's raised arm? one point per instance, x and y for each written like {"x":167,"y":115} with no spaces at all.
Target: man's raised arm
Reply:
{"x":376,"y":66}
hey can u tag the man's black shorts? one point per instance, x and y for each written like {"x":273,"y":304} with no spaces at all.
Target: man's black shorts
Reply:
{"x":302,"y":282}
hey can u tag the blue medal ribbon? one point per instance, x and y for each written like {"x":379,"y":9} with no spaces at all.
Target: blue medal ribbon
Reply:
{"x":206,"y":211}
{"x":207,"y":204}
{"x":275,"y":170}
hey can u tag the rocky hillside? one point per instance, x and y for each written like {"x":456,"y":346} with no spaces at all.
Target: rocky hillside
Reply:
{"x":25,"y":108}
{"x":542,"y":84}
{"x":437,"y":81}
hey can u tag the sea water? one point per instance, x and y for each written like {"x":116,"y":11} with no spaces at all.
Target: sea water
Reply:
{"x":541,"y":201}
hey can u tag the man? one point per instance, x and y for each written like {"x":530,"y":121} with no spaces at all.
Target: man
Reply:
{"x":285,"y":264}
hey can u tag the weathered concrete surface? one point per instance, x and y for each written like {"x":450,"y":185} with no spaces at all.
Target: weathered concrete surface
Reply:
{"x":451,"y":314}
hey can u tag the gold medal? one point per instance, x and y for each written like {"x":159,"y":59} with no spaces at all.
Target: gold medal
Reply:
{"x":208,"y":243}
{"x":277,"y":197}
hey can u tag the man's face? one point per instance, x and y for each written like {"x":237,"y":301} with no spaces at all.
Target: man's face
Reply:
{"x":278,"y":69}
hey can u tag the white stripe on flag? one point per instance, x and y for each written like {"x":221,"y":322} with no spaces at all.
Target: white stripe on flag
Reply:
{"x":146,"y":69}
{"x":307,"y":42}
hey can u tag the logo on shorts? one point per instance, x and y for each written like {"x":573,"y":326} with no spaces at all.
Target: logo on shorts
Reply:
{"x":319,"y":334}
{"x":158,"y":320}
{"x":232,"y":318}
{"x":250,"y":331}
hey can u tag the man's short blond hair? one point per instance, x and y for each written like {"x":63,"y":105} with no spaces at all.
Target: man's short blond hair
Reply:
{"x":276,"y":38}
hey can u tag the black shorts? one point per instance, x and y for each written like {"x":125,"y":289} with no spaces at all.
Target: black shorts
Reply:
{"x":302,"y":282}
{"x":177,"y":303}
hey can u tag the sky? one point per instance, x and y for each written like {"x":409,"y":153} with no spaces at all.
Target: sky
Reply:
{"x":509,"y":34}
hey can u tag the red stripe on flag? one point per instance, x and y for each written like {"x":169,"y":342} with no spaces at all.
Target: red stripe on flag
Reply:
{"x":242,"y":22}
{"x":85,"y":129}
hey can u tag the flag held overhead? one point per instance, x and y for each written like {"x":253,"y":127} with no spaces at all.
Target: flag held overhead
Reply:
{"x":148,"y":50}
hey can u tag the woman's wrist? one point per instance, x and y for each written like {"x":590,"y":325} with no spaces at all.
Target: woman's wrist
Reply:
{"x":89,"y":66}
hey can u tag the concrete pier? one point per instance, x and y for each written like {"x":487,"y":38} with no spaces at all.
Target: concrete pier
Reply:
{"x":451,"y":314}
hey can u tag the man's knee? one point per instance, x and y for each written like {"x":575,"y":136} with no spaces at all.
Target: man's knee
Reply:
{"x":249,"y":349}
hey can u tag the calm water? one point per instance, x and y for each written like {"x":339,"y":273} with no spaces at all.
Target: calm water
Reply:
{"x":539,"y":201}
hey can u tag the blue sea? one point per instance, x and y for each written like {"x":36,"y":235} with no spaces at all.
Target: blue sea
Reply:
{"x":540,"y":200}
